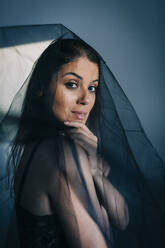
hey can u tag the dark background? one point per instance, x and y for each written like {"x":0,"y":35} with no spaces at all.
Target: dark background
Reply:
{"x":129,"y":35}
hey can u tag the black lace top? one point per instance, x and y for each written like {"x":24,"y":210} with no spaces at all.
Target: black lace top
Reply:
{"x":39,"y":231}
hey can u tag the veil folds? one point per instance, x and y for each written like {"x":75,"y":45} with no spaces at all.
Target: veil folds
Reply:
{"x":137,"y":171}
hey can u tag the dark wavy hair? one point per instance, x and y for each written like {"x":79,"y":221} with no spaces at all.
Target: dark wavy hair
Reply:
{"x":37,"y":120}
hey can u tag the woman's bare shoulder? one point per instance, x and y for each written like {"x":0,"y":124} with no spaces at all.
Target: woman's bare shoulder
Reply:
{"x":40,"y":155}
{"x":37,"y":163}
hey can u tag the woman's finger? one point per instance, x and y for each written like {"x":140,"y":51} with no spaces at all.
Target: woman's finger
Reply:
{"x":78,"y":125}
{"x":74,"y":123}
{"x":91,"y":151}
{"x":82,"y":134}
{"x":88,"y":144}
{"x":84,"y":138}
{"x":77,"y":131}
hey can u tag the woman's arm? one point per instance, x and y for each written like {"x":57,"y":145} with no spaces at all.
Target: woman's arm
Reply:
{"x":110,"y":197}
{"x":69,"y":198}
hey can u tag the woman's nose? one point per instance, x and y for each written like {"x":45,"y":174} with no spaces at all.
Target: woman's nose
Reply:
{"x":83,"y":97}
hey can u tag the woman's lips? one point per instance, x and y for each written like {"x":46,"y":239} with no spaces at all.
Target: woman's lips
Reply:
{"x":80,"y":115}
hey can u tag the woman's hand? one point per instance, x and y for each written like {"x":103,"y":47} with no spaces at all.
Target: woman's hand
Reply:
{"x":87,"y":140}
{"x":83,"y":136}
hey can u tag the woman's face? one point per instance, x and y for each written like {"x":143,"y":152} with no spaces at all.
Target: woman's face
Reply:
{"x":75,"y":90}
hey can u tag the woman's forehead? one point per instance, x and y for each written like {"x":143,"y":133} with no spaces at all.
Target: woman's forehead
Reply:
{"x":81,"y":67}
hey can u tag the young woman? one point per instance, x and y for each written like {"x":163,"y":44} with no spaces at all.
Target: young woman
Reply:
{"x":62,"y":195}
{"x":63,"y":191}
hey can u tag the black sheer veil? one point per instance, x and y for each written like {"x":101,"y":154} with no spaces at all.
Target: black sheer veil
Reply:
{"x":137,"y":171}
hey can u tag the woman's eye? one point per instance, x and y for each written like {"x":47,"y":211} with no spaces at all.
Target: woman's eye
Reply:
{"x":71,"y":85}
{"x":93,"y":88}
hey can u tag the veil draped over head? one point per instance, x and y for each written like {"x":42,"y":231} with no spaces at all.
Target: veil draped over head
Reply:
{"x":137,"y":171}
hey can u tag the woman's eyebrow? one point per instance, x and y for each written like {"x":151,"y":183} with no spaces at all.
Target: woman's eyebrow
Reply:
{"x":95,"y":81}
{"x":73,"y":73}
{"x":78,"y":76}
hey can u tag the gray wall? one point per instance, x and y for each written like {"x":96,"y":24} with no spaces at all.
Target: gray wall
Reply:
{"x":129,"y":35}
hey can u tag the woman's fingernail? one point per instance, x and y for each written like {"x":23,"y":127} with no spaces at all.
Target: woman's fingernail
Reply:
{"x":66,"y":122}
